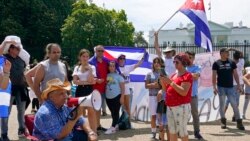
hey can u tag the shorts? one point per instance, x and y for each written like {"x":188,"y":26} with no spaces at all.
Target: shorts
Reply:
{"x":161,"y":107}
{"x":128,"y":89}
{"x":162,"y":113}
{"x":83,"y":90}
{"x":152,"y":106}
{"x":178,"y":118}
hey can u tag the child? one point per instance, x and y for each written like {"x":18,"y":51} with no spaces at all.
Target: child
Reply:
{"x":115,"y":89}
{"x":246,"y":79}
{"x":151,"y":83}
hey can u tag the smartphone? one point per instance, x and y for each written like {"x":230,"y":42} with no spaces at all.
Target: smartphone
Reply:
{"x":163,"y":72}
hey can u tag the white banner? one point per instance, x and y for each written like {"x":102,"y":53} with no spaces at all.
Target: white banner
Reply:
{"x":208,"y":103}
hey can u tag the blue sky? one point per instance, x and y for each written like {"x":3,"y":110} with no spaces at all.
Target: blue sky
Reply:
{"x":151,"y":14}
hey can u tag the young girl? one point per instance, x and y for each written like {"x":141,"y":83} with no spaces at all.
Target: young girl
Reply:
{"x":162,"y":108}
{"x":246,"y":79}
{"x":84,"y":77}
{"x":114,"y":95}
{"x":151,"y":83}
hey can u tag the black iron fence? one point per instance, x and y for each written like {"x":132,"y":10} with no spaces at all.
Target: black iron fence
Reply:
{"x":72,"y":52}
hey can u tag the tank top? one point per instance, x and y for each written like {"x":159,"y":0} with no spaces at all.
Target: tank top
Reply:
{"x":52,"y":71}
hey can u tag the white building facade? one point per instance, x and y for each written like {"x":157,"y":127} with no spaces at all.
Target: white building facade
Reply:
{"x":226,"y":33}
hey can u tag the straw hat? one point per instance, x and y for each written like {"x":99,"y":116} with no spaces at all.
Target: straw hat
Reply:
{"x":53,"y":85}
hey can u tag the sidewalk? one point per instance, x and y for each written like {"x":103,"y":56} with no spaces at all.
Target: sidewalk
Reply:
{"x":211,"y":131}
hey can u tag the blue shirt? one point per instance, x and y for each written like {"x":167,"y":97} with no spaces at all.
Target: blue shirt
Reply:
{"x":50,"y":120}
{"x":194,"y":69}
{"x":113,"y":88}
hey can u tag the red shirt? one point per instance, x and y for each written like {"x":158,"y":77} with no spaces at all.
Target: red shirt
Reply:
{"x":102,"y":69}
{"x":175,"y":99}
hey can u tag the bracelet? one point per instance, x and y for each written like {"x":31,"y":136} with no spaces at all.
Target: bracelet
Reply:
{"x":91,"y":133}
{"x":6,"y":74}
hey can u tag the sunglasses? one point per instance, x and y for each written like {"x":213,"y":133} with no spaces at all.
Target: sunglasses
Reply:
{"x":122,"y":58}
{"x":176,"y":62}
{"x":100,"y":50}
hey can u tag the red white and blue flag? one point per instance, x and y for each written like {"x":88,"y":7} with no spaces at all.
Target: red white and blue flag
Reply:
{"x":133,"y":55}
{"x":4,"y":96}
{"x":195,"y":11}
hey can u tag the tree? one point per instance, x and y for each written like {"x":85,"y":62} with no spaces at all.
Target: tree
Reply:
{"x":140,"y":40}
{"x":37,"y":22}
{"x":89,"y":25}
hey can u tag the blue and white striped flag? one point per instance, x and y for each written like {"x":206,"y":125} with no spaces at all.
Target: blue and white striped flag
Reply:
{"x":195,"y":11}
{"x":133,"y":55}
{"x":4,"y":96}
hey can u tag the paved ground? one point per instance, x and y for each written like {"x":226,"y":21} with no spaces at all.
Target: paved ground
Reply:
{"x":211,"y":131}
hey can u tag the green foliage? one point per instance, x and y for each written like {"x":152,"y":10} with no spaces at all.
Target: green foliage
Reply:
{"x":140,"y":40}
{"x":37,"y":22}
{"x":89,"y":25}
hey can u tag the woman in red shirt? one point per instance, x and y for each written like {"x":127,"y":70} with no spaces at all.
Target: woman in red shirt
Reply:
{"x":178,"y":97}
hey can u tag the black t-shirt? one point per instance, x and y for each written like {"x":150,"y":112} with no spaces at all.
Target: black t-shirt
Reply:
{"x":17,"y":70}
{"x":224,"y":72}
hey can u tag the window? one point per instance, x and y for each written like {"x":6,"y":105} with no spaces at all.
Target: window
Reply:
{"x":164,"y":44}
{"x":236,"y":42}
{"x":174,"y":43}
{"x":183,"y":43}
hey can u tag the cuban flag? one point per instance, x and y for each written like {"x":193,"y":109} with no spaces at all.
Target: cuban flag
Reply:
{"x":133,"y":55}
{"x":4,"y":95}
{"x":195,"y":11}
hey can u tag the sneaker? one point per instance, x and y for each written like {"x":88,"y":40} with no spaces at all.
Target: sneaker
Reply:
{"x":244,"y":117}
{"x":223,"y":123}
{"x":153,"y":135}
{"x":233,"y":119}
{"x":240,"y":125}
{"x":197,"y":135}
{"x":23,"y":133}
{"x":100,"y":128}
{"x":5,"y":137}
{"x":111,"y":130}
{"x":104,"y":114}
{"x":33,"y":111}
{"x":117,"y":127}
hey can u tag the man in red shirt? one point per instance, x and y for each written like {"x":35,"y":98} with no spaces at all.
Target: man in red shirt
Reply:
{"x":101,"y":64}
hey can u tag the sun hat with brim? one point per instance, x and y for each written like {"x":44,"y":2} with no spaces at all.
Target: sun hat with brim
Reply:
{"x":53,"y":85}
{"x":23,"y":54}
{"x":12,"y":38}
{"x":168,"y":49}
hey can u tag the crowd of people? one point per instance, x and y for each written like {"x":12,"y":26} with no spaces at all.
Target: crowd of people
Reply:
{"x":172,"y":85}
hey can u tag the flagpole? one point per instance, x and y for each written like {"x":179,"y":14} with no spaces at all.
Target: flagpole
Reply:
{"x":210,"y":9}
{"x":166,"y":22}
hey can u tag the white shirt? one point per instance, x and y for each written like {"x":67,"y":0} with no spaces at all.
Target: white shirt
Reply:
{"x":83,"y":76}
{"x":126,"y":71}
{"x":169,"y":66}
{"x":240,"y":68}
